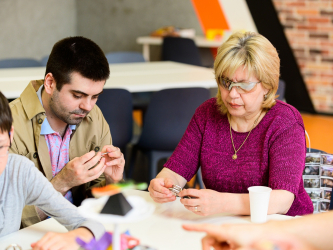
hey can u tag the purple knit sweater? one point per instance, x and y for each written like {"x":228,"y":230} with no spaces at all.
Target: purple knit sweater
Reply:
{"x":273,"y":155}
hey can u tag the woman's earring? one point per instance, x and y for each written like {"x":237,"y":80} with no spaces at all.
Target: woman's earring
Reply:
{"x":265,"y":97}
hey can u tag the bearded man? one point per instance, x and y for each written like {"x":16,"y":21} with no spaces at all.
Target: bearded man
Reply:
{"x":59,"y":127}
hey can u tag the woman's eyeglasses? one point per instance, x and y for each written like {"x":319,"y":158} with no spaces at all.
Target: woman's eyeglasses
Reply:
{"x":241,"y":87}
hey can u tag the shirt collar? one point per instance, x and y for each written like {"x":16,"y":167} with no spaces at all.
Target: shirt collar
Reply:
{"x":46,"y":128}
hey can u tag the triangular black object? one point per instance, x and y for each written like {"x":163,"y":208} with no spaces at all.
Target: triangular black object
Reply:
{"x":116,"y":204}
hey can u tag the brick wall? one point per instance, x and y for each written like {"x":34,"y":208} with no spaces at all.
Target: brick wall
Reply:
{"x":309,"y":28}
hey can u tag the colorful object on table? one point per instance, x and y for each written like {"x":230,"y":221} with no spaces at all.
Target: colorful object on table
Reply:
{"x":117,"y":205}
{"x":102,"y":244}
{"x":116,"y":188}
{"x":105,"y":242}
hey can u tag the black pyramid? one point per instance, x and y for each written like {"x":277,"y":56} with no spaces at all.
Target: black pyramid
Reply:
{"x":116,"y":204}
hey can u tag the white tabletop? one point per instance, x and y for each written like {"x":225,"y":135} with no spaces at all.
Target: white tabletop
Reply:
{"x":135,"y":77}
{"x":162,"y":230}
{"x":200,"y":41}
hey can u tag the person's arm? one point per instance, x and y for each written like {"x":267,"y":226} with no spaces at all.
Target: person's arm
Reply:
{"x":159,"y":187}
{"x":210,"y":202}
{"x":181,"y":166}
{"x":311,"y":229}
{"x":40,"y":192}
{"x":174,"y":177}
{"x":78,"y":171}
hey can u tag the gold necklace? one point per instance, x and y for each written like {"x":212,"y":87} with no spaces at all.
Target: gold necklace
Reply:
{"x":234,"y":157}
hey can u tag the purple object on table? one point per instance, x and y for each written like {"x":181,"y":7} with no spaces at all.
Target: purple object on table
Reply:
{"x":273,"y":155}
{"x":102,"y":244}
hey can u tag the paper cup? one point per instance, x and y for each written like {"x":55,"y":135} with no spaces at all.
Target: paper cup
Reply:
{"x":259,"y":200}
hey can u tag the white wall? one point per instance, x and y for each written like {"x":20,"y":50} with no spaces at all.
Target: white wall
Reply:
{"x":29,"y":28}
{"x":115,"y":24}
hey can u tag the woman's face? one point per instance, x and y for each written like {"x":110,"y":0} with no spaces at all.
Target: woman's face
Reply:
{"x":243,"y":105}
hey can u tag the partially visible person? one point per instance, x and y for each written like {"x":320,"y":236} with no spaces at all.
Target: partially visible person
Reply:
{"x":307,"y":232}
{"x":22,"y":184}
{"x":61,"y":130}
{"x":244,"y":137}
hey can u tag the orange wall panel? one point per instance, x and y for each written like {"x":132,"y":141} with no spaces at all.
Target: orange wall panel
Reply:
{"x":210,"y":14}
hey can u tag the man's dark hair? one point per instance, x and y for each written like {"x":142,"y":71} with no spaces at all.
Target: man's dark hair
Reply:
{"x":77,"y":54}
{"x":6,"y":119}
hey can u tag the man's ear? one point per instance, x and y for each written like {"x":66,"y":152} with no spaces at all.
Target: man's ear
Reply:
{"x":49,"y":83}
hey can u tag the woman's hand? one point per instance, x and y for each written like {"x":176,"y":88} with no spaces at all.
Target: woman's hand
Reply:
{"x":204,"y":201}
{"x":159,"y":190}
{"x":63,"y":241}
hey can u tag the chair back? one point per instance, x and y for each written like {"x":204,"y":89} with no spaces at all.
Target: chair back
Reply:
{"x":124,"y":57}
{"x":181,"y":50}
{"x":281,"y":90}
{"x":19,"y":63}
{"x":168,"y":115}
{"x":44,"y":60}
{"x":116,"y":106}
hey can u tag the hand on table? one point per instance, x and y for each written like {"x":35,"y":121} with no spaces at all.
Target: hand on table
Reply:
{"x":247,"y":237}
{"x":204,"y":202}
{"x":114,"y":162}
{"x":226,"y":236}
{"x":63,"y":241}
{"x":78,"y":171}
{"x":159,"y":190}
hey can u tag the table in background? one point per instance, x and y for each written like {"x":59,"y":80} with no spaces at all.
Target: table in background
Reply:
{"x":201,"y":42}
{"x":135,"y":77}
{"x":162,"y":230}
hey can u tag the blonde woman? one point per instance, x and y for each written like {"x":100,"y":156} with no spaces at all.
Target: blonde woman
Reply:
{"x":244,"y":137}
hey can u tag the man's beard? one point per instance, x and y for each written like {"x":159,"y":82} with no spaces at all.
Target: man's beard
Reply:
{"x":63,"y":114}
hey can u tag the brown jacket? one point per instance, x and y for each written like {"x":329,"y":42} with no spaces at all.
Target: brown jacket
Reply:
{"x":91,"y":134}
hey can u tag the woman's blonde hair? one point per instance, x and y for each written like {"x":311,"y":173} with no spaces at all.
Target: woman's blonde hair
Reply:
{"x":257,"y":55}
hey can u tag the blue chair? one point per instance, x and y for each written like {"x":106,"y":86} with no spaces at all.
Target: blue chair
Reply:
{"x":116,"y":106}
{"x":141,"y":99}
{"x":165,"y":122}
{"x":124,"y":57}
{"x":181,"y":50}
{"x":44,"y":60}
{"x":281,"y":90}
{"x":19,"y":63}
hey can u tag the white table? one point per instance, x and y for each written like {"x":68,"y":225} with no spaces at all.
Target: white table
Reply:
{"x":200,"y":41}
{"x":162,"y":230}
{"x":135,"y":77}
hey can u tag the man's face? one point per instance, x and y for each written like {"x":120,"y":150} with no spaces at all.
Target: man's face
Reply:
{"x":76,"y":99}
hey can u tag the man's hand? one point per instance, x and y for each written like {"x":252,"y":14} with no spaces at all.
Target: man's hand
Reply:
{"x":115,"y":163}
{"x":78,"y":171}
{"x":63,"y":241}
{"x":159,"y":190}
